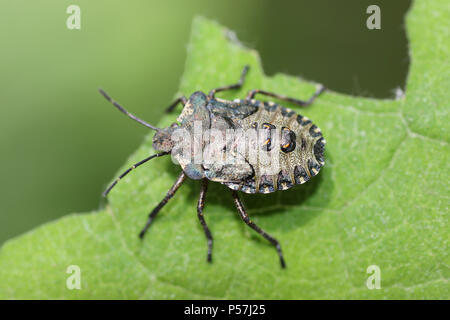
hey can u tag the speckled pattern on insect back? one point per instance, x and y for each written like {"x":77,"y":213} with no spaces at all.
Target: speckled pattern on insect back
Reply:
{"x":301,"y":150}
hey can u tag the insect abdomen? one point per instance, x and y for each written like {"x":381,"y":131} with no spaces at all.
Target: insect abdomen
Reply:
{"x":301,"y":149}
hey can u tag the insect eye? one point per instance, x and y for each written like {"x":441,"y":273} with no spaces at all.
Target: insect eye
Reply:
{"x":288,"y":137}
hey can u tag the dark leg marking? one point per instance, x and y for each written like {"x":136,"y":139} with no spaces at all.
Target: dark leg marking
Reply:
{"x":163,"y":202}
{"x":200,"y":206}
{"x":233,"y":86}
{"x":252,"y":225}
{"x":181,"y":99}
{"x":122,"y":109}
{"x":301,"y":103}
{"x":131,"y":169}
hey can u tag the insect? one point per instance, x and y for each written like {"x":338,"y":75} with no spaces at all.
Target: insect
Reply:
{"x":300,"y":152}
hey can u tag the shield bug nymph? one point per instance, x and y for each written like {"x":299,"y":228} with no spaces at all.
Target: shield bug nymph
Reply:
{"x":300,"y":149}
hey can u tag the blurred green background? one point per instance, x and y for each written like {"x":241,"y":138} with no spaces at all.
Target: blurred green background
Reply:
{"x":61,"y":142}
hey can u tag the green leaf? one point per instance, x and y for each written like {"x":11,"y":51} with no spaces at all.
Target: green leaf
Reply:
{"x":381,"y":199}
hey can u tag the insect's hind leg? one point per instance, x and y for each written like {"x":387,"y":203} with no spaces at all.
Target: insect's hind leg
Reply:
{"x":163,"y":202}
{"x":181,"y":99}
{"x":200,"y":206}
{"x":233,"y":86}
{"x":252,"y":225}
{"x":302,"y":103}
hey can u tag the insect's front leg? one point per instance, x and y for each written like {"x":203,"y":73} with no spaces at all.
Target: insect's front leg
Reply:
{"x":181,"y":99}
{"x":181,"y":178}
{"x":237,"y":85}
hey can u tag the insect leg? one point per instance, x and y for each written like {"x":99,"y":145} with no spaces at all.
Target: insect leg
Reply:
{"x":163,"y":202}
{"x":122,"y":109}
{"x":252,"y":225}
{"x":200,"y":206}
{"x":233,"y":86}
{"x":131,"y":169}
{"x":301,"y":103}
{"x":181,"y":99}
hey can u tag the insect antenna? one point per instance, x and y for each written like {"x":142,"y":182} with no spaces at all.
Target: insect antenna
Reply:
{"x":131,"y":169}
{"x":122,"y":109}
